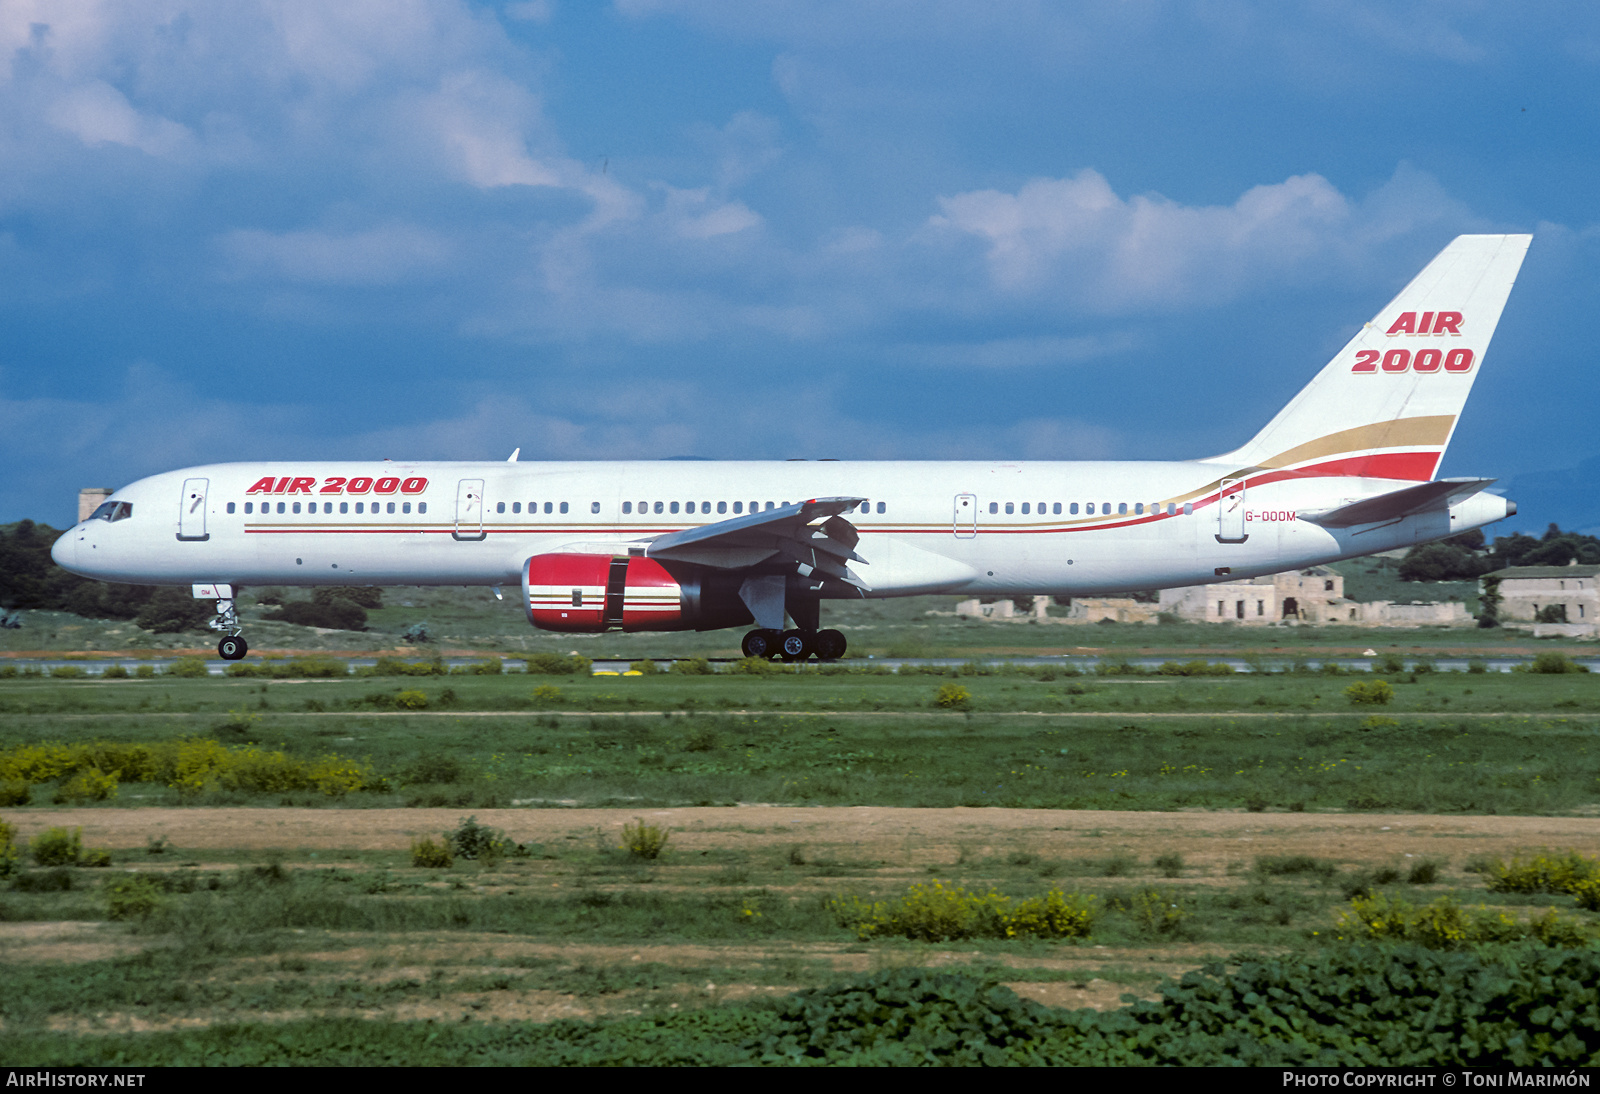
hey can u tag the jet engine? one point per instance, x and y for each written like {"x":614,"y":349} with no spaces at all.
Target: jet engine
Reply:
{"x":578,"y":592}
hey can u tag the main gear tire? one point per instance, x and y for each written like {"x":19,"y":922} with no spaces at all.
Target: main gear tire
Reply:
{"x":795,"y":645}
{"x":830,"y":645}
{"x":232,"y":648}
{"x":762,"y":644}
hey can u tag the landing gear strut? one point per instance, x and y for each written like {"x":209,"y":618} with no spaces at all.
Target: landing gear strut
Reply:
{"x":233,"y":646}
{"x":795,"y":645}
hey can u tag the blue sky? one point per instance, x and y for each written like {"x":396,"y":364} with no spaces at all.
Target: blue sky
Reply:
{"x":443,"y":230}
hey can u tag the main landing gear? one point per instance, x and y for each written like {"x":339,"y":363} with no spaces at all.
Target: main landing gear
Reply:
{"x":796,"y":645}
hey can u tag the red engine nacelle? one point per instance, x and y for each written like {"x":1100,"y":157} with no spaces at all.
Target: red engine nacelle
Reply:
{"x":602,"y":592}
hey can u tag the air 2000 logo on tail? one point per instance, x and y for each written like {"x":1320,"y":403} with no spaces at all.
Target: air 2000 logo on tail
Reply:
{"x":1428,"y":323}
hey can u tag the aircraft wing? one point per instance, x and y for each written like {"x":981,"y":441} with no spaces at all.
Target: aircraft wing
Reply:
{"x":1439,"y":494}
{"x":811,"y":534}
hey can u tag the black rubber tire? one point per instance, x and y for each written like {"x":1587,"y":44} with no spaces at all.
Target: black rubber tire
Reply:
{"x":762,"y":644}
{"x":232,"y":648}
{"x":795,"y":645}
{"x":830,"y":645}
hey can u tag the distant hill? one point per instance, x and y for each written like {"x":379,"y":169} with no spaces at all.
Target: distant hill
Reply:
{"x":1570,"y":498}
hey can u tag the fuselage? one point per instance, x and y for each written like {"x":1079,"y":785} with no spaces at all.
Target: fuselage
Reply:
{"x":1060,"y":529}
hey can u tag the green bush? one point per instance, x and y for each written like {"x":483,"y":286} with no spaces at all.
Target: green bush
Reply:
{"x":393,"y":666}
{"x":189,"y":764}
{"x":1445,"y":925}
{"x":472,"y":840}
{"x":1198,"y":667}
{"x":186,"y":667}
{"x":553,"y":664}
{"x":934,"y":913}
{"x":692,"y":666}
{"x":411,"y":700}
{"x":1554,"y":662}
{"x":906,"y":1017}
{"x":335,"y":613}
{"x":10,"y":853}
{"x":67,"y":672}
{"x":428,"y":855}
{"x":644,"y":668}
{"x":1542,"y":873}
{"x":645,"y":841}
{"x":953,"y":697}
{"x":57,"y":847}
{"x":1158,"y":913}
{"x":131,"y":897}
{"x":1370,"y":693}
{"x":87,"y":785}
{"x":114,"y":672}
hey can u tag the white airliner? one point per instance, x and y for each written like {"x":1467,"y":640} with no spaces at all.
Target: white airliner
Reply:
{"x":1346,"y":469}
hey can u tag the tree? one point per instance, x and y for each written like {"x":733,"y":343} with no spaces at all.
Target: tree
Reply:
{"x":1441,"y":562}
{"x":365,"y":596}
{"x":335,"y":613}
{"x":169,"y":611}
{"x":1489,"y":603}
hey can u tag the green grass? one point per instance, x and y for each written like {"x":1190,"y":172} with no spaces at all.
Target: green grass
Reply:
{"x":1511,"y":743}
{"x":269,"y":938}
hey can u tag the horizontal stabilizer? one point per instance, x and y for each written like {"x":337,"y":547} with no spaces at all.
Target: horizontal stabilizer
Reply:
{"x":1439,"y":494}
{"x":788,"y":533}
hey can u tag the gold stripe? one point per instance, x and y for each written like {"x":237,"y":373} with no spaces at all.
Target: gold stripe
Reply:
{"x":1399,"y":433}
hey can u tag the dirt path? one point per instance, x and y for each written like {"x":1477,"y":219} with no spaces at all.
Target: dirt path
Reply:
{"x":862,"y":832}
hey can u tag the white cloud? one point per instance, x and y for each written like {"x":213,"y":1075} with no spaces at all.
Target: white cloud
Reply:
{"x":1145,"y":250}
{"x":1013,"y":353}
{"x":531,"y":11}
{"x":97,"y":113}
{"x":695,"y":214}
{"x":378,"y":256}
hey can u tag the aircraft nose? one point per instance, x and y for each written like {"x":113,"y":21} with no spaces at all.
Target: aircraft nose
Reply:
{"x":65,"y":550}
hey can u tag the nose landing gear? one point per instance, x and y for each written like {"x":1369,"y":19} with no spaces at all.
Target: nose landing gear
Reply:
{"x":233,"y":646}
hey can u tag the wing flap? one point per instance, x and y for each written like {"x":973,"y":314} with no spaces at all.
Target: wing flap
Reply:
{"x":811,"y":535}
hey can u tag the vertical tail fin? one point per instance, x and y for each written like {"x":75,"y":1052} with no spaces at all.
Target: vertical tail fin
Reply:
{"x":1386,"y":406}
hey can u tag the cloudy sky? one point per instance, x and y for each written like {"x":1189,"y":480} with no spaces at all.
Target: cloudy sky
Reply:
{"x":294,"y":229}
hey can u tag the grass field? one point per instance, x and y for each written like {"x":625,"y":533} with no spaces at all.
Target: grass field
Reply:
{"x":1445,"y":742}
{"x":261,"y":886}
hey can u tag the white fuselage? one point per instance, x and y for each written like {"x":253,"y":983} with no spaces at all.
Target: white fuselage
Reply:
{"x":1061,"y":529}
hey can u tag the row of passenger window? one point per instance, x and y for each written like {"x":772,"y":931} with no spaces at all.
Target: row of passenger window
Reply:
{"x":549,"y":507}
{"x":376,"y":507}
{"x":1138,"y":508}
{"x":667,"y":507}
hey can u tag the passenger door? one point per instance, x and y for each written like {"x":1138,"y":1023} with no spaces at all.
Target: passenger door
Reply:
{"x":469,"y":510}
{"x":192,"y":510}
{"x":1230,"y":512}
{"x":966,"y":517}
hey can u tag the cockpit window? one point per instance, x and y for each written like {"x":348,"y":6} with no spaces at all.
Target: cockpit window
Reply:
{"x":113,"y":511}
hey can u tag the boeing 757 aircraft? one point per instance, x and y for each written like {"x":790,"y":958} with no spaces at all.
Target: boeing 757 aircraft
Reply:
{"x":1346,"y":469}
